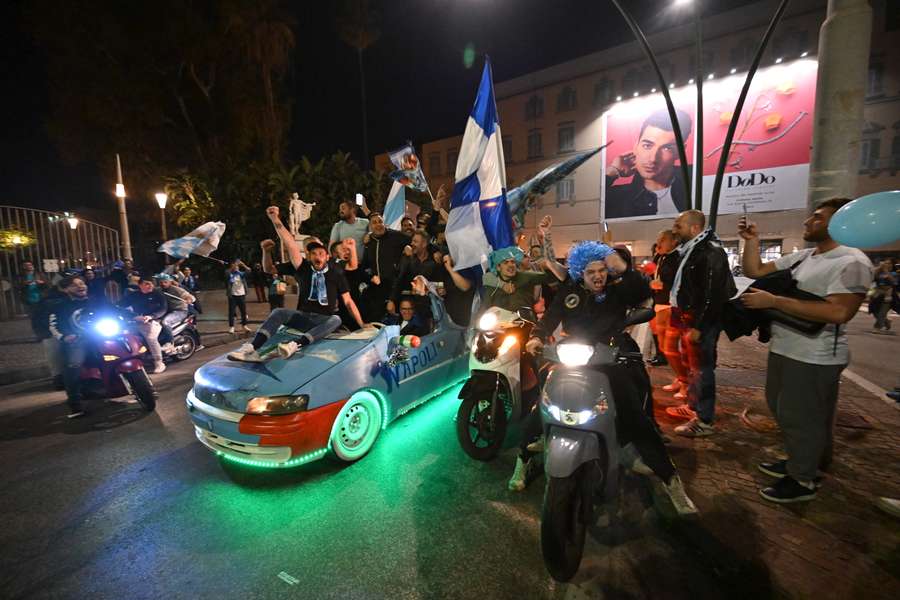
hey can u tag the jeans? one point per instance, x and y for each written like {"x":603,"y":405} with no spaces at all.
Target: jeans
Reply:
{"x":703,"y":377}
{"x":315,"y":326}
{"x":53,"y":354}
{"x":173,"y":318}
{"x":74,"y":354}
{"x":882,"y":310}
{"x":239,"y":302}
{"x":150,"y":330}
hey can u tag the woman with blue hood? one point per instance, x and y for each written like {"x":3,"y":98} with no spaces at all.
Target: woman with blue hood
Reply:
{"x":591,"y":305}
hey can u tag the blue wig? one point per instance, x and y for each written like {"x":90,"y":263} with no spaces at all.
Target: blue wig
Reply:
{"x":584,"y":253}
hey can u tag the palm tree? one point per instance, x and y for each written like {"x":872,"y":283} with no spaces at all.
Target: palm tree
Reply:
{"x":358,"y":27}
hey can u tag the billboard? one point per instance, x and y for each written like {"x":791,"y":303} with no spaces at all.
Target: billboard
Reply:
{"x":768,"y":164}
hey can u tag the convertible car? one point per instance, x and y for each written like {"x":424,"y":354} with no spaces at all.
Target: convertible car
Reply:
{"x":337,"y":394}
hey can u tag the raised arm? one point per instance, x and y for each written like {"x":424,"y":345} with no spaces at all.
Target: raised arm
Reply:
{"x":287,"y":239}
{"x":353,"y":263}
{"x":459,"y":281}
{"x":751,"y":263}
{"x":267,"y":264}
{"x":546,"y":238}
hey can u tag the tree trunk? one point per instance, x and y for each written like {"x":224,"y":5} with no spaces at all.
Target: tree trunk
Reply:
{"x":365,"y":127}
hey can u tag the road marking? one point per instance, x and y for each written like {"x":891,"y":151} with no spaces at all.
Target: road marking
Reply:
{"x":870,"y":387}
{"x":289,"y":579}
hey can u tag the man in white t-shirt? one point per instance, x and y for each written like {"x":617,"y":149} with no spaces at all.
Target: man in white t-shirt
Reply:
{"x":804,"y":370}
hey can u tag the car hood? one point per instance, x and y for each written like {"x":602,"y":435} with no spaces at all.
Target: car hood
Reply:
{"x":230,"y":384}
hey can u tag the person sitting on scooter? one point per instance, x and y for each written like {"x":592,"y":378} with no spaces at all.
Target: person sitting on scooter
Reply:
{"x":320,"y":286}
{"x":63,"y":328}
{"x":178,"y":300}
{"x":148,"y":305}
{"x":591,"y":306}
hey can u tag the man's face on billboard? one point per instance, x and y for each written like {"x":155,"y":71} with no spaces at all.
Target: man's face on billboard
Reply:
{"x":655,"y":153}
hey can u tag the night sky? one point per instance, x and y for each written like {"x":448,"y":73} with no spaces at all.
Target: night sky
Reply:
{"x":417,"y":84}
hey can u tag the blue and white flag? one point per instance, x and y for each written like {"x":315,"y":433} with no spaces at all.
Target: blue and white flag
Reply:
{"x":479,"y":220}
{"x":201,"y":241}
{"x":395,"y":207}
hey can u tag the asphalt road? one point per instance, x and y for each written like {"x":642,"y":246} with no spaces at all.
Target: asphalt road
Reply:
{"x":875,"y":356}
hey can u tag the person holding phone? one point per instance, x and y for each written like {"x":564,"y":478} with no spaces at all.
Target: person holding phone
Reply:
{"x":350,"y":225}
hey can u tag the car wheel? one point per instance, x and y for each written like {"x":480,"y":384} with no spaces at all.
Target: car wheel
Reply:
{"x":357,"y":427}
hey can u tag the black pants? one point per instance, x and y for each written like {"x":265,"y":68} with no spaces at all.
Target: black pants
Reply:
{"x":239,"y":302}
{"x":74,"y":354}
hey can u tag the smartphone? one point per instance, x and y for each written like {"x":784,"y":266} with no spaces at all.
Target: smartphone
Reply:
{"x":359,"y":199}
{"x":744,"y":218}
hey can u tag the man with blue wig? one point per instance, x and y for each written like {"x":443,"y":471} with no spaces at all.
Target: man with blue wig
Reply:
{"x":591,"y":305}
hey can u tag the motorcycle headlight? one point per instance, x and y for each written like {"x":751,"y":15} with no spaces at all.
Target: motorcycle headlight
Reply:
{"x":574,"y":355}
{"x":277,"y":405}
{"x":488,"y":321}
{"x":107,"y":327}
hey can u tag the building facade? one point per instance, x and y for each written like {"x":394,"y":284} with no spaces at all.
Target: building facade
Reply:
{"x":548,"y":114}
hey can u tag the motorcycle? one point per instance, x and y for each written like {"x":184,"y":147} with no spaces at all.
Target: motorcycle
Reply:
{"x":183,"y":341}
{"x":582,"y":454}
{"x":492,"y":396}
{"x":114,"y":367}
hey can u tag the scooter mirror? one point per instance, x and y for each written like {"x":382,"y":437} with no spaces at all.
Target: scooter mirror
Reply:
{"x":527,"y":313}
{"x":639,"y":315}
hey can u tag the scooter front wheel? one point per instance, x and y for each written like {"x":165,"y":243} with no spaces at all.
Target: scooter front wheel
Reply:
{"x":480,"y":428}
{"x":143,"y":389}
{"x":564,"y":520}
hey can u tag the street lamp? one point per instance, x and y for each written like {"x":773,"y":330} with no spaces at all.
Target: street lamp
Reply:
{"x":123,"y":216}
{"x":73,"y":221}
{"x":161,"y":199}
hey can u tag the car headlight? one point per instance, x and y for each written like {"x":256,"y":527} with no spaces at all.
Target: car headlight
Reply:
{"x":277,"y":405}
{"x":107,"y":327}
{"x":488,"y":321}
{"x":574,"y":355}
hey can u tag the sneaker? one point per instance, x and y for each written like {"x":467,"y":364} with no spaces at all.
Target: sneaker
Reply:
{"x":658,"y":361}
{"x":894,"y":395}
{"x":778,"y":470}
{"x":682,"y":411}
{"x":287,"y":349}
{"x":158,"y":367}
{"x":787,"y":490}
{"x":684,"y":506}
{"x":246,"y":353}
{"x":231,"y":330}
{"x":695,"y":428}
{"x":640,"y":467}
{"x":75,"y":411}
{"x":519,"y":479}
{"x":889,"y":505}
{"x":672,"y":387}
{"x":537,"y":446}
{"x":246,"y":329}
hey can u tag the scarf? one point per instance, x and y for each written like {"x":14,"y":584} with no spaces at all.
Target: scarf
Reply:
{"x":318,"y":292}
{"x":684,"y":251}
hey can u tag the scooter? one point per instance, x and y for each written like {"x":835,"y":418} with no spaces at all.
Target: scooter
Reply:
{"x":184,"y":340}
{"x":582,"y":454}
{"x":114,"y":366}
{"x":492,"y":396}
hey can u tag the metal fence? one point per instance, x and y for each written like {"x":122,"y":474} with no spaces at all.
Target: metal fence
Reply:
{"x":52,"y":245}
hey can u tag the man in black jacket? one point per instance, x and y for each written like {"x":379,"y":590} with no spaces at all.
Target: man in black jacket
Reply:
{"x":149,"y":306}
{"x":703,"y":285}
{"x":384,"y":250}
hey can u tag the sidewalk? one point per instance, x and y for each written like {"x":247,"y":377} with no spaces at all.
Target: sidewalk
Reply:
{"x":22,"y":356}
{"x":837,"y":546}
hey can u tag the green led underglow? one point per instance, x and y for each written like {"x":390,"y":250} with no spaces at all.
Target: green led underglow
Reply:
{"x":268,"y":464}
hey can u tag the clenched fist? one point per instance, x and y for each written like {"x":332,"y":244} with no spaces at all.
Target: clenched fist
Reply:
{"x":273,"y":213}
{"x":267,"y":245}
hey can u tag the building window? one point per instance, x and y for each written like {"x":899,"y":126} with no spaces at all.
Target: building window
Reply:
{"x":434,"y":164}
{"x":452,"y":155}
{"x":534,"y":144}
{"x":604,"y":92}
{"x":869,"y":153}
{"x":534,"y":108}
{"x":565,"y":191}
{"x":507,"y":149}
{"x":566,"y":137}
{"x":566,"y":100}
{"x":875,"y":82}
{"x":770,"y":250}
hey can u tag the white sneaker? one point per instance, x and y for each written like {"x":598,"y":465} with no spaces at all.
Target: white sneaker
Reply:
{"x":517,"y":481}
{"x":247,"y":329}
{"x":231,"y":330}
{"x":537,"y":446}
{"x":640,"y":467}
{"x":683,"y":505}
{"x":695,"y":428}
{"x":889,"y":505}
{"x":287,"y":349}
{"x":158,"y":368}
{"x":246,"y":353}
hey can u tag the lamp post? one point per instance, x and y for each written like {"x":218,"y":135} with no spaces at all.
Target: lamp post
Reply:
{"x":123,"y":216}
{"x":161,"y":199}
{"x":72,"y":220}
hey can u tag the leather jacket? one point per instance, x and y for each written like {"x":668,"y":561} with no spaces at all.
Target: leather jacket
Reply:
{"x":706,"y":284}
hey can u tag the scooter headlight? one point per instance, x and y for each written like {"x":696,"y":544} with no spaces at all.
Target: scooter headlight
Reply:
{"x":574,"y":355}
{"x":488,"y":321}
{"x":107,"y":327}
{"x":277,"y":405}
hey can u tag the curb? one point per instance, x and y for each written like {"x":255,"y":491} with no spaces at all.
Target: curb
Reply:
{"x":42,"y":372}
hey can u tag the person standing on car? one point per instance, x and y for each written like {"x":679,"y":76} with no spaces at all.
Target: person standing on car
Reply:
{"x":149,"y":306}
{"x":349,"y":225}
{"x":702,"y":286}
{"x":62,"y":327}
{"x":236,"y":288}
{"x":591,"y":306}
{"x":320,"y":287}
{"x":804,"y":371}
